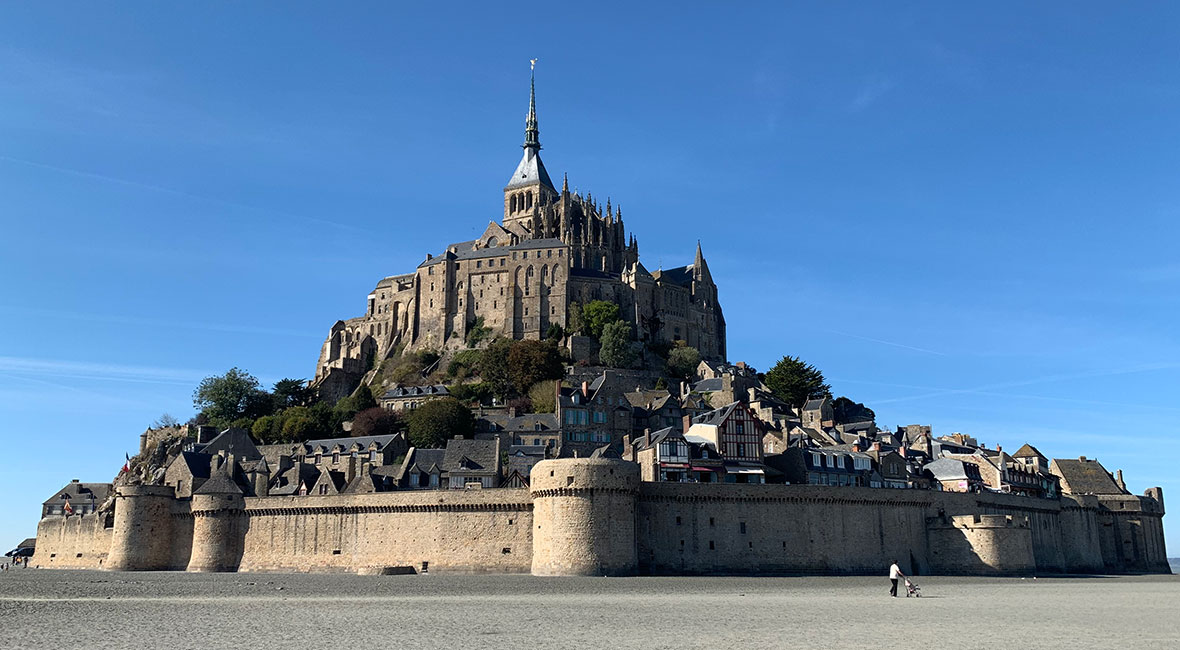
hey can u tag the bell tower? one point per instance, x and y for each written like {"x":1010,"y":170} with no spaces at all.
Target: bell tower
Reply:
{"x":530,"y":187}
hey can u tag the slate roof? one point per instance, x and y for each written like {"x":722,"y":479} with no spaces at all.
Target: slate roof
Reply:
{"x":287,"y":482}
{"x":681,"y":276}
{"x":947,"y":469}
{"x":716,"y":416}
{"x":530,"y":170}
{"x":415,"y":391}
{"x":421,"y":460}
{"x":219,"y":483}
{"x":657,"y":437}
{"x":813,"y":404}
{"x":464,"y":250}
{"x":1028,"y":451}
{"x":652,"y":400}
{"x":233,"y":441}
{"x":523,"y":422}
{"x":709,"y":385}
{"x":862,"y":425}
{"x":468,"y":456}
{"x":196,"y":462}
{"x":79,"y":492}
{"x":1086,"y":476}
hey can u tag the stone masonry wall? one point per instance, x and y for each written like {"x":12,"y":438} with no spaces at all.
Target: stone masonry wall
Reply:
{"x":74,"y":542}
{"x":462,"y":531}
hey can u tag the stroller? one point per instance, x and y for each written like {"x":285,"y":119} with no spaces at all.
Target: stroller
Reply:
{"x":912,"y":589}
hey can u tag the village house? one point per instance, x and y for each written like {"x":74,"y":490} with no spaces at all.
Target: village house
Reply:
{"x":953,"y":475}
{"x":594,"y":414}
{"x":76,"y":498}
{"x":737,"y":435}
{"x":407,"y":398}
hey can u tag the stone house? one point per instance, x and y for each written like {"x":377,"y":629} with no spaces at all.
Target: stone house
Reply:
{"x":818,"y":414}
{"x":407,"y":398}
{"x":422,"y":469}
{"x":891,"y":466}
{"x":524,"y":429}
{"x":594,"y":414}
{"x":1087,"y":476}
{"x":654,"y":410}
{"x":472,"y":463}
{"x":823,"y":466}
{"x":83,"y":498}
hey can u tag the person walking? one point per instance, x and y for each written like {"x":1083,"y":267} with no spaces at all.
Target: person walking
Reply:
{"x":894,"y":574}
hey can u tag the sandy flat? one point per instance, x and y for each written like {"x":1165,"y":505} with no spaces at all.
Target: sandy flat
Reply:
{"x":91,"y":609}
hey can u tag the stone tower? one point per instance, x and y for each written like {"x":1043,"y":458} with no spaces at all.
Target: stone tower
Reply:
{"x":584,"y":517}
{"x":142,"y":538}
{"x":219,"y":524}
{"x":530,"y":186}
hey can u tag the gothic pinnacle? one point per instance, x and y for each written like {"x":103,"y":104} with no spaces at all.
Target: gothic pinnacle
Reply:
{"x":532,"y":136}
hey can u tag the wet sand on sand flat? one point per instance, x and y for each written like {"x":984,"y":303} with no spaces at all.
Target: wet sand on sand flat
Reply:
{"x":97,"y":609}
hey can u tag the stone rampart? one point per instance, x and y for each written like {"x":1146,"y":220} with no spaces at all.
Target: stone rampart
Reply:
{"x":435,"y":530}
{"x":74,"y":542}
{"x":593,"y":517}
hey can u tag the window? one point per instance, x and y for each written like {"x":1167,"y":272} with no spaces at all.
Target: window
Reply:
{"x":741,"y":427}
{"x":742,"y":527}
{"x":599,"y":417}
{"x":335,"y":457}
{"x":478,"y":264}
{"x":372,"y":455}
{"x":318,"y":458}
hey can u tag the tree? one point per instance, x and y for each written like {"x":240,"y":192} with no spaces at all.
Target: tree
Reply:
{"x":476,"y":332}
{"x":375,"y":421}
{"x":794,"y":381}
{"x":617,"y":351}
{"x":683,"y":362}
{"x":267,"y":429}
{"x":165,"y":421}
{"x":596,"y":315}
{"x":555,"y":332}
{"x":464,"y":364}
{"x":437,"y":420}
{"x":228,"y":397}
{"x":299,"y":428}
{"x":291,"y":392}
{"x":532,"y":361}
{"x":845,"y":410}
{"x":493,"y":366}
{"x":543,"y":396}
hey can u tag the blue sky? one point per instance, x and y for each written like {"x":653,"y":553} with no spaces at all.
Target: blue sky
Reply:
{"x":965,"y":216}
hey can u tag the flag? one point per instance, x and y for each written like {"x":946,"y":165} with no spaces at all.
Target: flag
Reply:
{"x":67,"y":508}
{"x":126,"y":465}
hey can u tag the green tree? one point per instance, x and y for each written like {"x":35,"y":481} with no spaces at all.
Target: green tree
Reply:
{"x":267,"y":430}
{"x":555,"y":332}
{"x":683,"y":362}
{"x":476,"y":332}
{"x":473,"y":394}
{"x":299,"y":428}
{"x":845,"y":410}
{"x":493,"y":367}
{"x":375,"y":421}
{"x":543,"y":396}
{"x":532,"y":361}
{"x":617,"y":351}
{"x":229,"y":397}
{"x":464,"y":364}
{"x":291,"y":392}
{"x":596,"y":315}
{"x":438,"y":420}
{"x":795,"y":381}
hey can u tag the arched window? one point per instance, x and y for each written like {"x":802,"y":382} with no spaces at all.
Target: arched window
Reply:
{"x":528,"y":280}
{"x":512,"y":203}
{"x":528,"y":197}
{"x":544,"y":275}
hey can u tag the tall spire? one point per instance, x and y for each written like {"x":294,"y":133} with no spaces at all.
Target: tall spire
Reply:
{"x":531,"y":133}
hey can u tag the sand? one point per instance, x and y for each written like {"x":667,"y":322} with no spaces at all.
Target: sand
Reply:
{"x":91,"y":609}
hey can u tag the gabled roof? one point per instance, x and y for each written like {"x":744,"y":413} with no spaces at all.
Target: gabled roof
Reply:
{"x":709,"y":385}
{"x":717,"y":416}
{"x":1028,"y":451}
{"x":416,"y":391}
{"x":538,"y":422}
{"x":196,"y":463}
{"x":472,"y":456}
{"x":421,"y":460}
{"x":679,"y":276}
{"x":814,"y":404}
{"x":947,"y":469}
{"x":79,"y":492}
{"x":1084,"y":476}
{"x":233,"y":441}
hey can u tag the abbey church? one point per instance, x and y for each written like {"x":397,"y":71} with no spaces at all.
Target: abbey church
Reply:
{"x":551,"y":251}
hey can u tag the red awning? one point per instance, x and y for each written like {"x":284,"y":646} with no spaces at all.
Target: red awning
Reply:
{"x":706,"y":469}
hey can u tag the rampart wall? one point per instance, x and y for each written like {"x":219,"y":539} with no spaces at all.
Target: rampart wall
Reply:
{"x":593,"y":517}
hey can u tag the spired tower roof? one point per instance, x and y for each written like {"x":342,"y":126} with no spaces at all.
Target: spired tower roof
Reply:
{"x":531,"y":171}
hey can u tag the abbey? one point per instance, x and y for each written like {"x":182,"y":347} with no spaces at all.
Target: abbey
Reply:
{"x":552,"y":250}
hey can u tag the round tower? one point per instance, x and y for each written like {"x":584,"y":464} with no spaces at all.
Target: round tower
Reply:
{"x":142,"y":537}
{"x":219,"y":526}
{"x":584,"y":517}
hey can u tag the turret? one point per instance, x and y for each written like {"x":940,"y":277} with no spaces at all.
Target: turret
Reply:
{"x":584,"y":517}
{"x":219,"y":525}
{"x":142,"y":537}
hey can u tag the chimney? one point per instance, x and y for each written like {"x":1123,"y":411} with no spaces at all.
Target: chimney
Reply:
{"x":876,"y":446}
{"x":647,"y":438}
{"x":350,"y":473}
{"x":856,"y":447}
{"x":511,"y":411}
{"x":214,"y":464}
{"x":1082,"y":458}
{"x":74,"y":480}
{"x":229,"y":466}
{"x":585,"y":389}
{"x":1122,"y":485}
{"x":142,"y":442}
{"x":687,"y":423}
{"x":901,"y":450}
{"x":628,"y":450}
